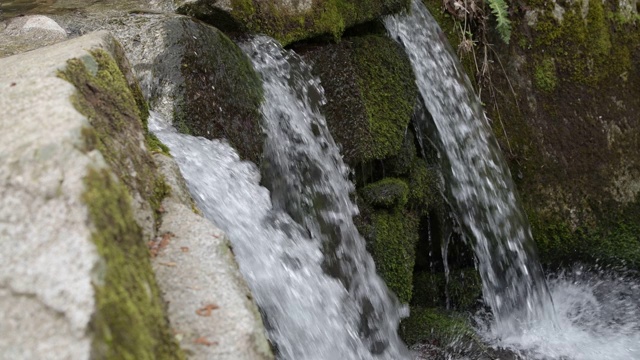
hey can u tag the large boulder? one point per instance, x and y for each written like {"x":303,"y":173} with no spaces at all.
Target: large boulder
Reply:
{"x":371,"y":94}
{"x":77,"y":280}
{"x":29,"y":32}
{"x":82,"y":199}
{"x":289,"y":21}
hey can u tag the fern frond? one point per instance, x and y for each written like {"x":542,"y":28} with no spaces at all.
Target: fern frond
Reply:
{"x":499,"y":9}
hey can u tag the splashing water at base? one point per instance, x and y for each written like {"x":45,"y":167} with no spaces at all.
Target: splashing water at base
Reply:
{"x":598,"y":318}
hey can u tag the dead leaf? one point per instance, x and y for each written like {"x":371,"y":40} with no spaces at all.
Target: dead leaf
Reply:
{"x":203,"y":341}
{"x":206,"y":310}
{"x":184,"y":249}
{"x":159,"y":243}
{"x":169,"y":264}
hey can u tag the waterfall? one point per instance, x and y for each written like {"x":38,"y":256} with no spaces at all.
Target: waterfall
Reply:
{"x":295,"y":242}
{"x":478,"y":184}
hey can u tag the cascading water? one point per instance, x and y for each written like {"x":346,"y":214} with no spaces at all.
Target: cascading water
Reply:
{"x":597,"y":314}
{"x":477,"y":181}
{"x":297,"y":246}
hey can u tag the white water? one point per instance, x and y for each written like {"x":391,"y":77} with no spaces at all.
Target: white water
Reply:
{"x":478,"y":183}
{"x":297,"y":246}
{"x":598,"y":318}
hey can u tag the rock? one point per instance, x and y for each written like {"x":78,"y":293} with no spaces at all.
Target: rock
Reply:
{"x":209,"y":305}
{"x":29,"y":32}
{"x":46,"y":294}
{"x":288,"y":20}
{"x":208,"y":300}
{"x":62,"y":7}
{"x":78,"y":181}
{"x":74,"y":258}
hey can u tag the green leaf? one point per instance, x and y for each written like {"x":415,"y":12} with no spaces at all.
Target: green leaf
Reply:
{"x":499,"y":9}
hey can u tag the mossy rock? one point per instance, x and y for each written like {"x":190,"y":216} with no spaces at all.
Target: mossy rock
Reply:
{"x":221,"y":92}
{"x":129,"y":321}
{"x":387,"y":193}
{"x":392,"y":244}
{"x":118,"y":114}
{"x":435,"y":325}
{"x":615,"y":242}
{"x":289,"y":21}
{"x":401,"y":163}
{"x":370,"y":92}
{"x":424,"y":187}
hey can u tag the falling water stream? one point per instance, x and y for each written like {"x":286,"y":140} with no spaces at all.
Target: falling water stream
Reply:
{"x":295,"y":242}
{"x":477,"y":181}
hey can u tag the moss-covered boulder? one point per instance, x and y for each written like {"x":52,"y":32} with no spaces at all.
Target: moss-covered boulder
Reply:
{"x":220,"y":93}
{"x":289,"y":21}
{"x":424,"y":184}
{"x":441,"y":334}
{"x":370,"y":93}
{"x":563,"y":97}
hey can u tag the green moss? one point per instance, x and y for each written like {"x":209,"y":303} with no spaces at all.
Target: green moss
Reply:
{"x":614,"y":241}
{"x":424,"y":193}
{"x":557,"y":135}
{"x":370,"y":92}
{"x":386,"y":193}
{"x":222,"y":92}
{"x":155,"y":145}
{"x":401,"y":163}
{"x":287,"y":25}
{"x":545,"y":75}
{"x":106,"y":99}
{"x":129,"y":322}
{"x":434,"y":325}
{"x":582,"y":47}
{"x":345,"y":110}
{"x":464,"y":289}
{"x":392,"y":246}
{"x":388,"y":88}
